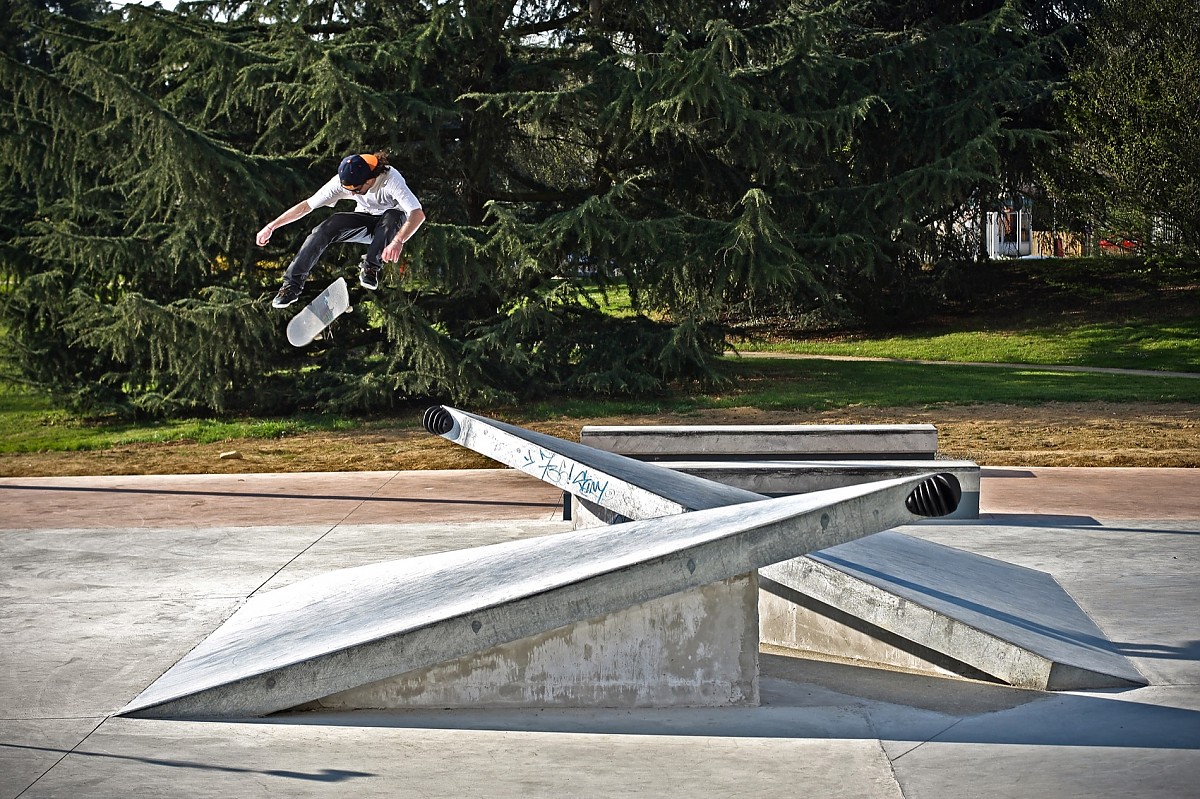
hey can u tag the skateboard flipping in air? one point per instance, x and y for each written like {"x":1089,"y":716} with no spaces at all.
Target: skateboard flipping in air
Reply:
{"x":312,"y":321}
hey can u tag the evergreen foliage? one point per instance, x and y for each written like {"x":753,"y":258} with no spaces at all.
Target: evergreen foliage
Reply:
{"x":719,"y":157}
{"x":1130,"y":164}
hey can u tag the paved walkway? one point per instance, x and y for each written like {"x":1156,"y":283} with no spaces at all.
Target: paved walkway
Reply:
{"x":105,"y":582}
{"x":248,"y":500}
{"x":1038,"y":367}
{"x":331,"y":498}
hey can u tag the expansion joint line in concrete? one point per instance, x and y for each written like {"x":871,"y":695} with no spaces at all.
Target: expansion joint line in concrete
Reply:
{"x":65,"y":755}
{"x":930,"y":739}
{"x":321,"y":537}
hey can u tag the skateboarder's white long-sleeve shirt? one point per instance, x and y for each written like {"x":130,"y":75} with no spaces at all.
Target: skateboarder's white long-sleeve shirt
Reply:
{"x":390,"y":191}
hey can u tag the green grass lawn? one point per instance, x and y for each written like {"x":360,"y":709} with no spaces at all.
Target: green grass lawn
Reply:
{"x":30,"y":424}
{"x":612,"y":298}
{"x":1166,"y":345}
{"x":1065,"y":312}
{"x":813,"y":385}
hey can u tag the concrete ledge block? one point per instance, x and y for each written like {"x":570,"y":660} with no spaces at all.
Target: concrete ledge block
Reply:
{"x":764,"y":442}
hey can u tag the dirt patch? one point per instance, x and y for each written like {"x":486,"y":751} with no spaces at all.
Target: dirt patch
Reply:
{"x":1082,"y":434}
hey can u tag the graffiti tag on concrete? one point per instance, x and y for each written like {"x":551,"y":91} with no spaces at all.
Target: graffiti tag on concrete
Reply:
{"x":554,"y":469}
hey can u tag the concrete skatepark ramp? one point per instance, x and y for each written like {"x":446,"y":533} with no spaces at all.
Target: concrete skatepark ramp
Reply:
{"x":660,"y":611}
{"x":910,"y":604}
{"x":889,"y":599}
{"x":356,"y":628}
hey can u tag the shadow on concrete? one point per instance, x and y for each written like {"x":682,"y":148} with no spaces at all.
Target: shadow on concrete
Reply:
{"x":1072,"y":721}
{"x":1039,"y":520}
{"x":262,"y":495}
{"x":324,"y":775}
{"x":1063,"y":522}
{"x":1189,"y":651}
{"x":1156,"y":530}
{"x":1005,"y":473}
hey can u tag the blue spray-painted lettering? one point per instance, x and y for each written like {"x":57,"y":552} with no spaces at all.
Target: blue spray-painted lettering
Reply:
{"x":589,"y":485}
{"x":549,"y":468}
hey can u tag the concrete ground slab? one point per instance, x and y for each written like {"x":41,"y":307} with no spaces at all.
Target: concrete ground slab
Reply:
{"x":1164,"y":651}
{"x":837,"y":730}
{"x":155,"y":759}
{"x":1067,"y":746}
{"x":172,"y":562}
{"x":73,"y":659}
{"x":30,"y":748}
{"x":348,"y":546}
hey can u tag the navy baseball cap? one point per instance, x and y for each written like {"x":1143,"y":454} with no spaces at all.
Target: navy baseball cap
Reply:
{"x":356,"y":170}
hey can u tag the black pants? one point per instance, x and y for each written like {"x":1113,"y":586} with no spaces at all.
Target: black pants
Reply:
{"x":374,"y":231}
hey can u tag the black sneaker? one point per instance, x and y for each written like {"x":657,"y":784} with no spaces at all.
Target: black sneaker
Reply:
{"x":368,"y":276}
{"x":286,"y":296}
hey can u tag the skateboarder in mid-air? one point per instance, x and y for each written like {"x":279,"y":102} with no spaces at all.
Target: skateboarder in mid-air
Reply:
{"x":387,"y":215}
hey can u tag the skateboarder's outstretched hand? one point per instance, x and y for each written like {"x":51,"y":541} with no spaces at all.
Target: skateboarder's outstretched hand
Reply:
{"x":297,"y":211}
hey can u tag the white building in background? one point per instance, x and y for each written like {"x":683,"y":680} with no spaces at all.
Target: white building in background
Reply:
{"x":1010,"y":230}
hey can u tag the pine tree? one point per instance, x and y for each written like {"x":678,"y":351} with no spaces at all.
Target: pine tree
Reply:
{"x":131,"y":295}
{"x":1130,"y":164}
{"x":716,"y":157}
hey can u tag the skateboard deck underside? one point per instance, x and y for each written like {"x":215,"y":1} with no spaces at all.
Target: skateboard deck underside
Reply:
{"x":318,"y":314}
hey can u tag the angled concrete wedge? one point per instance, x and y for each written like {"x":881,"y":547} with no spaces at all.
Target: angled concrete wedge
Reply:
{"x":1008,"y":622}
{"x":357,"y":626}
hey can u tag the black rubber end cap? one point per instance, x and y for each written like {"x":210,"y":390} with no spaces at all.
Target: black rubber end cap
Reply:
{"x":438,"y":420}
{"x":935,"y":496}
